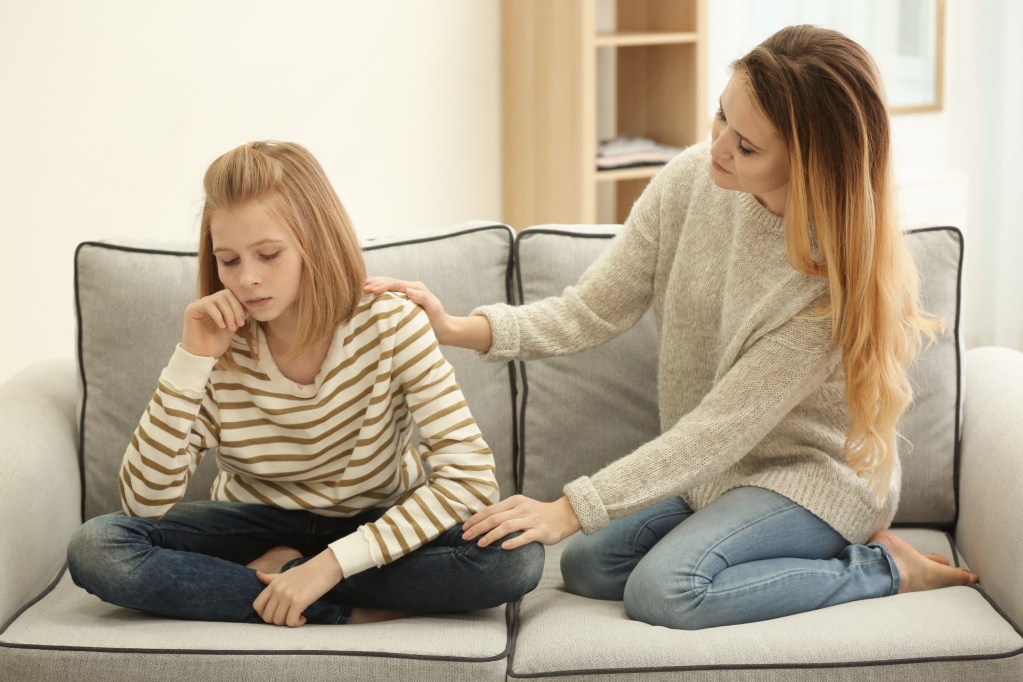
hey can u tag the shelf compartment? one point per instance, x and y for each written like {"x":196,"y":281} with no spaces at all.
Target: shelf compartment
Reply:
{"x":635,"y":38}
{"x":635,"y":173}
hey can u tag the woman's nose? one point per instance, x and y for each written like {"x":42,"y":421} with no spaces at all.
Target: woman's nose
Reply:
{"x":717,"y":147}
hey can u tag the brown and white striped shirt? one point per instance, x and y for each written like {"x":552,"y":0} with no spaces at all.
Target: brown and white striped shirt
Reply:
{"x":339,"y":446}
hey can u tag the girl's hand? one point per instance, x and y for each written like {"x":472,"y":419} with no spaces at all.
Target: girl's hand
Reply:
{"x":211,"y":323}
{"x":290,"y":593}
{"x":421,"y":296}
{"x":546,"y":522}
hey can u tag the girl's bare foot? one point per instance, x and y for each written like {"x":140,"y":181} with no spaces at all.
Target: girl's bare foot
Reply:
{"x":274,"y":559}
{"x":364,"y":615}
{"x":918,"y":572}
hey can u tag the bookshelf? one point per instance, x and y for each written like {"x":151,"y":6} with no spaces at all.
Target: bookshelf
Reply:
{"x":577,"y":71}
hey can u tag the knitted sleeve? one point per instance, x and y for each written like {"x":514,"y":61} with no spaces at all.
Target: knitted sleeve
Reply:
{"x":767,"y":381}
{"x":611,"y":295}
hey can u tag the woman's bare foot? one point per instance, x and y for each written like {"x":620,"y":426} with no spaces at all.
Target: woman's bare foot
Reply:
{"x":363,"y":615}
{"x":918,"y":572}
{"x":274,"y":559}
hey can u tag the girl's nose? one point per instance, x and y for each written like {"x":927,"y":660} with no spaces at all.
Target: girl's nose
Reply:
{"x":251,"y":277}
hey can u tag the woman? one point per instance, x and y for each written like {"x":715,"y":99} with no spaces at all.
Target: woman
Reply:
{"x":787,"y":315}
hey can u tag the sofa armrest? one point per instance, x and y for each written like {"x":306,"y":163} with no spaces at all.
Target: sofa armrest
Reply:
{"x":991,"y":475}
{"x":40,"y":485}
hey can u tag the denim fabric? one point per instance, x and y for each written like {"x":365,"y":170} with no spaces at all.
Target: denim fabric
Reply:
{"x":191,"y":564}
{"x":750,"y":555}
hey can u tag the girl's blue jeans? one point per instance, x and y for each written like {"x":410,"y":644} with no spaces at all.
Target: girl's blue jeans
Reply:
{"x":191,"y":564}
{"x":750,"y":555}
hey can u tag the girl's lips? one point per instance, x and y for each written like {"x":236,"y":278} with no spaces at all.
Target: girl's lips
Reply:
{"x":256,"y":302}
{"x":718,"y":167}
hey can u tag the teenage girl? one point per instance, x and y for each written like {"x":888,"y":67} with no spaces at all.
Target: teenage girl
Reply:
{"x":324,"y":510}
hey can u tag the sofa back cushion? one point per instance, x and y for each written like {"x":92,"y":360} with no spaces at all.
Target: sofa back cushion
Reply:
{"x":130,"y":301}
{"x":612,"y":389}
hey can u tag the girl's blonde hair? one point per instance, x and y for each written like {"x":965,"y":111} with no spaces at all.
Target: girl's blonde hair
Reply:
{"x":288,"y":181}
{"x":823,"y":93}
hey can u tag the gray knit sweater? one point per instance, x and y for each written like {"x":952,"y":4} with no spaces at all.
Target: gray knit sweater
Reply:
{"x":751,"y":391}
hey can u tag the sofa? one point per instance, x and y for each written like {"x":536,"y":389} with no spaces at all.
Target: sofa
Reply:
{"x":65,"y":426}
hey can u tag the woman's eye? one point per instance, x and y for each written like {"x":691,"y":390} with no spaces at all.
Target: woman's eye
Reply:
{"x":229,"y":263}
{"x":744,"y":150}
{"x":721,"y":116}
{"x":269,"y":256}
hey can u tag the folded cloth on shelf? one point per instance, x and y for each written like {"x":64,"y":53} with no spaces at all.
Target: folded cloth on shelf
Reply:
{"x":626,"y":152}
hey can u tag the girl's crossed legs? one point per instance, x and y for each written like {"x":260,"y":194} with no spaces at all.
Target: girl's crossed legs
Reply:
{"x":191,"y":564}
{"x":750,"y":555}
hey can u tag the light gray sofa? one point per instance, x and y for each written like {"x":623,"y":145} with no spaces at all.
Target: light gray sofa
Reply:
{"x":65,"y":428}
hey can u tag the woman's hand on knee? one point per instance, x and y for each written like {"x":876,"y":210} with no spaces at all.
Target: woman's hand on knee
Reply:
{"x":545,"y":522}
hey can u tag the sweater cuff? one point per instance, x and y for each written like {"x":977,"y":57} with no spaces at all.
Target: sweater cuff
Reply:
{"x":187,"y":373}
{"x":504,"y":329}
{"x":587,"y":505}
{"x":353,"y":553}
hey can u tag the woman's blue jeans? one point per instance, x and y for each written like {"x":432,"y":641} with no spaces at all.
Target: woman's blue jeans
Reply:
{"x":191,"y":564}
{"x":750,"y":555}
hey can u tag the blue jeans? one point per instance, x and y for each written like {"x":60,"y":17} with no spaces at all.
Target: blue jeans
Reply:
{"x":191,"y":564}
{"x":748,"y":556}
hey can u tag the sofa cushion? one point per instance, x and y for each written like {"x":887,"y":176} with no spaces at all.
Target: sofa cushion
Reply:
{"x":950,"y":634}
{"x":130,"y":301}
{"x":931,"y":426}
{"x":70,"y":630}
{"x":613,"y":387}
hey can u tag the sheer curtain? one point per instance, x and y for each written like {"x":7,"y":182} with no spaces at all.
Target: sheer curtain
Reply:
{"x":986,"y":142}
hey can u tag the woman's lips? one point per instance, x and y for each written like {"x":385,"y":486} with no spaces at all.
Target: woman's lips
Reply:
{"x":718,"y":167}
{"x":257,"y":302}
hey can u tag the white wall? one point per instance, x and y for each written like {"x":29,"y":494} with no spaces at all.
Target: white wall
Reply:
{"x":112,"y":110}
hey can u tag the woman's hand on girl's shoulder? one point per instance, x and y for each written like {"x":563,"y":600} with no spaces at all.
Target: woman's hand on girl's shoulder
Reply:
{"x":421,"y":296}
{"x":211,"y":323}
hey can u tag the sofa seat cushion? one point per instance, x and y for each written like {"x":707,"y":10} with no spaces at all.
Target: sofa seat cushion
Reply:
{"x":70,"y":630}
{"x":950,"y":634}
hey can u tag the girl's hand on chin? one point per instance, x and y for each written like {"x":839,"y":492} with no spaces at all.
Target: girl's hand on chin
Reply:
{"x":211,"y":323}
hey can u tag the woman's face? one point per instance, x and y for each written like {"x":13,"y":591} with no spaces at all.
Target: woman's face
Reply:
{"x":747,"y":152}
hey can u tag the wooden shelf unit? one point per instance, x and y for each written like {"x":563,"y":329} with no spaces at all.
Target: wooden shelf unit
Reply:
{"x":551,"y":86}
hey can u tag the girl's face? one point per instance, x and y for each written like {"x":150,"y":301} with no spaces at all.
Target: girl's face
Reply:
{"x":747,"y":152}
{"x":259,"y":261}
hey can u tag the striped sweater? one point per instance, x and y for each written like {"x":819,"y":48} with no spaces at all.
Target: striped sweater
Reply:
{"x":339,"y":446}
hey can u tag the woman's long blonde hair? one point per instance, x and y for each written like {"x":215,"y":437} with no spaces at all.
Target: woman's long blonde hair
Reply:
{"x":823,"y":93}
{"x":293,"y":187}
